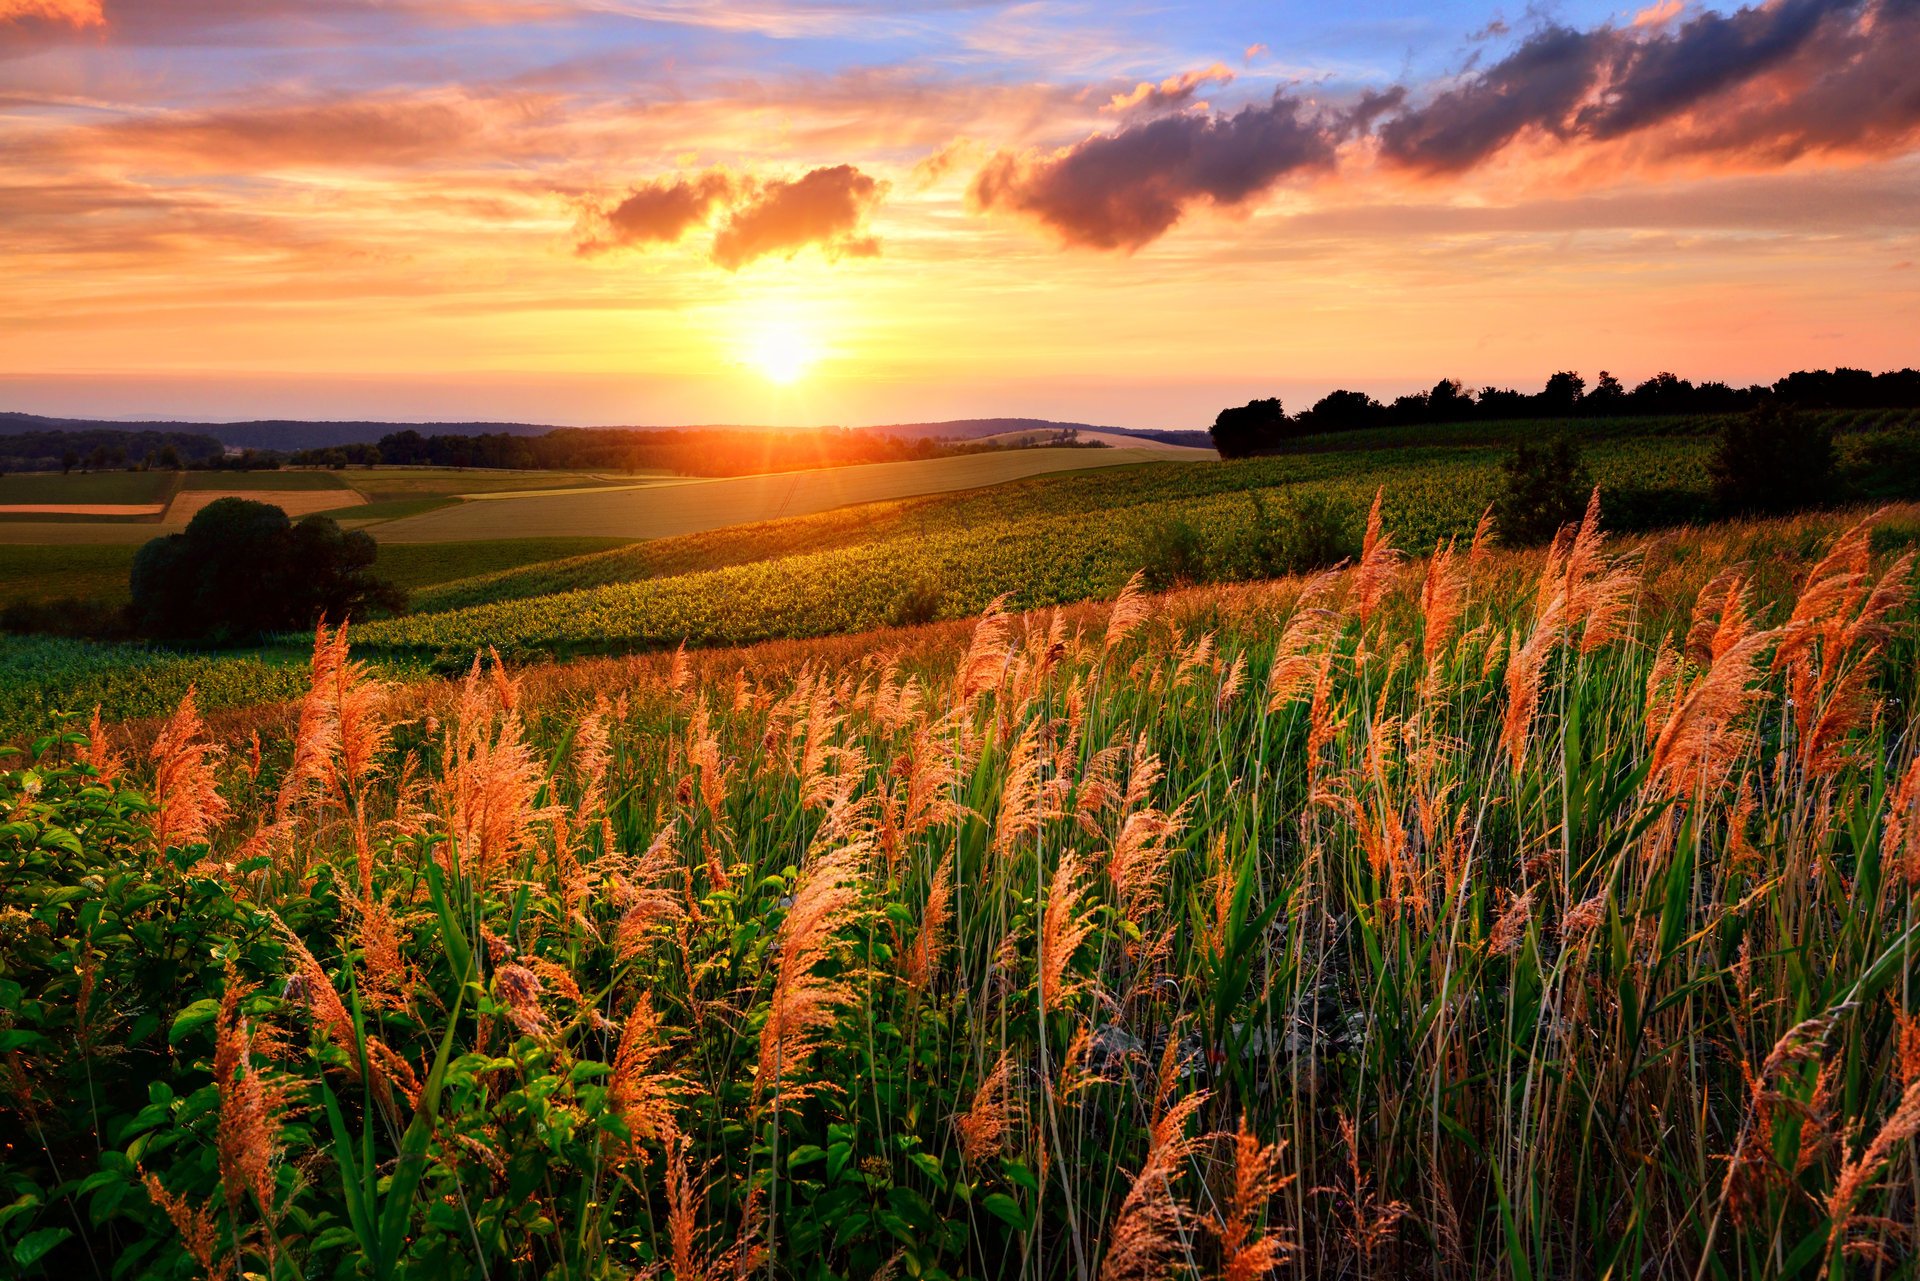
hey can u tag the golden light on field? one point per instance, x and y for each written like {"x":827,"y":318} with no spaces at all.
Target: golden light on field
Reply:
{"x":782,"y":348}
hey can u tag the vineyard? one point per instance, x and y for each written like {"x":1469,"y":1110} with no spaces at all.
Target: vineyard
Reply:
{"x":1512,"y":913}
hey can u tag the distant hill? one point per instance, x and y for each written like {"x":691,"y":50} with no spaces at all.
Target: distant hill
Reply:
{"x":291,"y":433}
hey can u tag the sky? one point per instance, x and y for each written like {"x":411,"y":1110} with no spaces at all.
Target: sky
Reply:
{"x":846,"y":211}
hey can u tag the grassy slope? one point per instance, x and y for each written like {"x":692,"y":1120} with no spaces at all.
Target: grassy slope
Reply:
{"x":241,"y":482}
{"x":87,"y":487}
{"x":693,"y":506}
{"x":1061,"y":539}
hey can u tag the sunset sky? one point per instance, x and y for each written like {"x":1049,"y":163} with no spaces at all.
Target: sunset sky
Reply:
{"x":774,"y":211}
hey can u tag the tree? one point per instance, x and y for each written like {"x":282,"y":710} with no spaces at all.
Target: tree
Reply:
{"x":68,"y":461}
{"x":1561,"y":396}
{"x":1607,"y":396}
{"x":1546,"y":486}
{"x":1252,"y":428}
{"x":1342,"y":411}
{"x":1449,"y":401}
{"x":1771,"y":459}
{"x":242,"y":570}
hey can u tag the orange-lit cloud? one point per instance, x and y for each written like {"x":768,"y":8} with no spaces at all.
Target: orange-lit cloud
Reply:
{"x":661,"y":212}
{"x":1174,"y":91}
{"x":73,"y":13}
{"x":827,"y":208}
{"x":1659,"y":14}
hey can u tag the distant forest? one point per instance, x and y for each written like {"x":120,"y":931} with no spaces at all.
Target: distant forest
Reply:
{"x":698,"y":451}
{"x":1263,"y":423}
{"x":105,"y":449}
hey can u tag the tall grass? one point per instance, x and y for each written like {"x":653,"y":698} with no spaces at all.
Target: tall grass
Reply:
{"x":1527,"y":915}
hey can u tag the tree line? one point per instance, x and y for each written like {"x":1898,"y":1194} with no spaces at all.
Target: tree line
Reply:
{"x":696,"y":451}
{"x":1260,"y":425}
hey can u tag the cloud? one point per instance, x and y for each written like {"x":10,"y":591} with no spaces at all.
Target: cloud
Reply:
{"x":1173,"y":92}
{"x":1123,"y":190}
{"x":825,"y":207}
{"x":1769,"y":83}
{"x":1254,"y":51}
{"x":1659,"y":14}
{"x":345,"y":132}
{"x":660,"y":212}
{"x":72,"y":13}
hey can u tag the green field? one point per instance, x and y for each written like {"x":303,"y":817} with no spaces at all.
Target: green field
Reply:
{"x":284,"y":480}
{"x":128,"y":487}
{"x":43,"y":572}
{"x":1049,"y":539}
{"x":690,"y":506}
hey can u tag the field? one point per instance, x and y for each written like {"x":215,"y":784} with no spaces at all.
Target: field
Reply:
{"x":1496,"y":913}
{"x":689,"y":506}
{"x":239,"y":482}
{"x":113,"y":487}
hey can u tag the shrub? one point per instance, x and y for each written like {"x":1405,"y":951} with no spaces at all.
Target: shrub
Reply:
{"x":1306,"y":530}
{"x":1174,"y":554}
{"x":1771,"y":459}
{"x":920,"y":601}
{"x":1546,"y":485}
{"x":242,"y":570}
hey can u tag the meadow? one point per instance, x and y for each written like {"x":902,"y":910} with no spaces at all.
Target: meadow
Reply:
{"x":1494,"y":913}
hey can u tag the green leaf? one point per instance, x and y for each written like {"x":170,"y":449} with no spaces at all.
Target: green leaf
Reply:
{"x":1006,"y":1209}
{"x":805,"y":1154}
{"x":197,"y":1015}
{"x":36,"y":1244}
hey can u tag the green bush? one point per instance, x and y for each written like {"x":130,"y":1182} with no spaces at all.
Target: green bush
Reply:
{"x":1772,"y":459}
{"x":1545,"y":485}
{"x":1306,"y":530}
{"x":1173,"y":554}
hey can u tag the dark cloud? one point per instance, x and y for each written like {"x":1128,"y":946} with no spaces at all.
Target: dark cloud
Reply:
{"x":1774,"y":80}
{"x":1123,"y":190}
{"x":1536,"y":86}
{"x":826,"y":207}
{"x":660,"y":212}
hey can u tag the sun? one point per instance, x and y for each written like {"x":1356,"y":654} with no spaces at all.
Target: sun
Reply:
{"x":782,"y":350}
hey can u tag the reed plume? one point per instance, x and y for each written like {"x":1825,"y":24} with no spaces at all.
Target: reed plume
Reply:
{"x":1065,"y":925}
{"x":1148,"y":1228}
{"x":1131,"y":608}
{"x":806,"y":1003}
{"x":188,"y":805}
{"x":1246,"y":1253}
{"x":1858,"y":1175}
{"x":254,"y":1107}
{"x":1378,"y":561}
{"x":995,"y":1110}
{"x":100,"y":757}
{"x":640,"y":1091}
{"x":198,"y":1232}
{"x":923,"y":958}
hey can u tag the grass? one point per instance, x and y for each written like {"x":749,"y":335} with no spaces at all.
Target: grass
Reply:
{"x":285,"y":481}
{"x":106,"y":487}
{"x":689,"y":507}
{"x":392,"y":484}
{"x":1509,"y":916}
{"x":417,"y":566}
{"x":42,"y":572}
